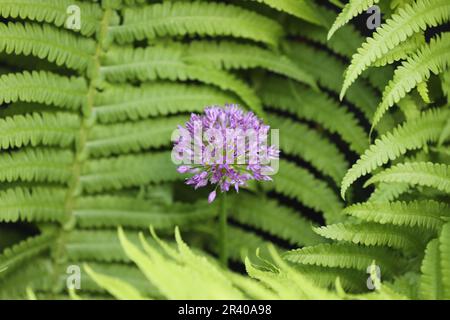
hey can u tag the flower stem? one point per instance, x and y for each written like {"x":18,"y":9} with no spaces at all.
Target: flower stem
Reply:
{"x":223,"y":252}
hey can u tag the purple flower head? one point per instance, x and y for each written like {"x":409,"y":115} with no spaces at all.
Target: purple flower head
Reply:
{"x":226,"y":147}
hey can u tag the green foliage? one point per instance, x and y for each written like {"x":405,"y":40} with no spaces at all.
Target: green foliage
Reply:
{"x":38,"y":204}
{"x":176,"y":271}
{"x":34,"y":129}
{"x":303,"y":9}
{"x":434,"y":283}
{"x":402,"y":25}
{"x":373,"y":234}
{"x":433,"y":57}
{"x":426,"y":214}
{"x":167,"y":63}
{"x":348,"y":256}
{"x":417,"y":173}
{"x":412,"y":135}
{"x":351,"y":10}
{"x":194,"y":18}
{"x":32,"y":39}
{"x":407,"y":214}
{"x":125,"y":102}
{"x":87,"y":117}
{"x":44,"y":87}
{"x":51,"y":11}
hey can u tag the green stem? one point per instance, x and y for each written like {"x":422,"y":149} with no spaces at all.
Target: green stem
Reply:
{"x":223,"y":252}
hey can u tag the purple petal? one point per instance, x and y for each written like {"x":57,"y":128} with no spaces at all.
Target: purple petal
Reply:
{"x":212,"y":196}
{"x":183,"y":169}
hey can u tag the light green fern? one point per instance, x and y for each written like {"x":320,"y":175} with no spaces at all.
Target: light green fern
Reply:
{"x":402,"y":25}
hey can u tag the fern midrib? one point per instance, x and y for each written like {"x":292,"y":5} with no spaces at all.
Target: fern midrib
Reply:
{"x":68,"y":223}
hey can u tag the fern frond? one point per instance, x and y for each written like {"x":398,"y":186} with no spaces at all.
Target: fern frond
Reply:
{"x":36,"y":204}
{"x":117,"y":287}
{"x":423,"y":90}
{"x":168,"y":267}
{"x":315,"y":148}
{"x":446,"y":83}
{"x":435,"y":175}
{"x":127,"y":137}
{"x":46,"y":42}
{"x":433,"y":57}
{"x":43,"y":87}
{"x":167,"y":63}
{"x":351,"y":10}
{"x":36,"y":275}
{"x":300,"y":184}
{"x":409,"y":107}
{"x":120,"y":103}
{"x":278,"y":220}
{"x":126,"y":273}
{"x":128,"y":171}
{"x":231,"y":55}
{"x":374,"y":234}
{"x":435,"y":278}
{"x":445,"y":134}
{"x":183,"y":264}
{"x":287,"y":282}
{"x":349,"y":256}
{"x":350,"y":279}
{"x":194,"y":18}
{"x":386,"y":192}
{"x":40,"y":165}
{"x":344,"y":42}
{"x":408,"y":20}
{"x":398,"y":3}
{"x":52,"y":11}
{"x":425,"y":214}
{"x":321,"y":64}
{"x":99,"y":246}
{"x":48,"y":129}
{"x":317,"y":107}
{"x":409,"y":136}
{"x":13,"y":257}
{"x":243,"y":243}
{"x":302,"y":9}
{"x":402,"y":51}
{"x":110,"y":211}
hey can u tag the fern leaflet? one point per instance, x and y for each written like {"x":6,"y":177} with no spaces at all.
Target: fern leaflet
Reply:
{"x":435,"y":175}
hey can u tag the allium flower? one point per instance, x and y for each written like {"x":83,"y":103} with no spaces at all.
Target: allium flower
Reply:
{"x":226,"y":147}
